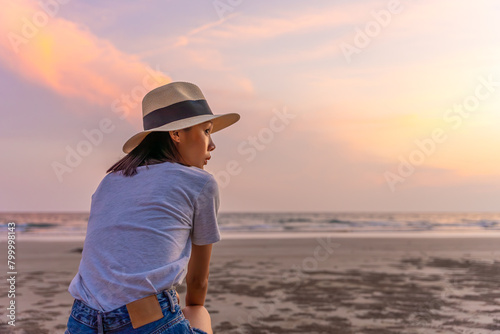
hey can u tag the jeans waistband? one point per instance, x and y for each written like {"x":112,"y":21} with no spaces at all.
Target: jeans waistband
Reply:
{"x":119,"y":316}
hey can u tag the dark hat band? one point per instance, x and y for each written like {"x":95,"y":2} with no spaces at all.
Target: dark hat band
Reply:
{"x":175,"y":112}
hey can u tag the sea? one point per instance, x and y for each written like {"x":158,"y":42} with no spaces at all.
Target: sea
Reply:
{"x":73,"y":225}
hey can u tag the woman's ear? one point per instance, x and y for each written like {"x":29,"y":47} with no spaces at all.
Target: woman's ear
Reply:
{"x":175,"y":136}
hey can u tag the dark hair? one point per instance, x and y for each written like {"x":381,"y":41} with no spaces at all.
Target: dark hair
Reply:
{"x":156,"y":147}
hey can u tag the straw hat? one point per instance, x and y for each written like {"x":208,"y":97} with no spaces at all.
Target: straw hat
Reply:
{"x":176,"y":106}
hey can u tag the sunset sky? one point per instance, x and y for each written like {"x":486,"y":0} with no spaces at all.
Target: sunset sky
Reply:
{"x":345,"y":105}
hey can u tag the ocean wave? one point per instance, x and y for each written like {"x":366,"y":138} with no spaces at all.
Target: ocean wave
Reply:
{"x":351,"y":222}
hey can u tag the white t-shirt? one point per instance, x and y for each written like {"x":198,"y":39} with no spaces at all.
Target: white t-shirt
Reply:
{"x":140,"y":230}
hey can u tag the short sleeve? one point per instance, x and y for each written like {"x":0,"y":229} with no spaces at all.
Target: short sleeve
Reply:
{"x":205,"y":228}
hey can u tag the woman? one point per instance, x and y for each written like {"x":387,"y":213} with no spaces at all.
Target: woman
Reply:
{"x":152,"y":223}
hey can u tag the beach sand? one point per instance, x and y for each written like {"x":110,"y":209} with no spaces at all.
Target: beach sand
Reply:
{"x":304,"y":285}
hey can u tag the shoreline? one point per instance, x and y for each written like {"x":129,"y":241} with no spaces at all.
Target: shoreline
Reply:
{"x":296,"y":235}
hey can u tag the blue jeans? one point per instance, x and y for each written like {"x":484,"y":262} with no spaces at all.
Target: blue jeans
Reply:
{"x":85,"y":320}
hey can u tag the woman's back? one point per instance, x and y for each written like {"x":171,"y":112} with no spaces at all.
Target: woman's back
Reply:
{"x":140,"y":231}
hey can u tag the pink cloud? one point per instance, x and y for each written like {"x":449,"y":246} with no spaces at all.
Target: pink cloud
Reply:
{"x":69,"y":59}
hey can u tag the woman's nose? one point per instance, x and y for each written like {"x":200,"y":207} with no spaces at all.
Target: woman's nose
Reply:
{"x":211,"y":145}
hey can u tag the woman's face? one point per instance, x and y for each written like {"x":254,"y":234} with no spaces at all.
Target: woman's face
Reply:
{"x":194,"y":145}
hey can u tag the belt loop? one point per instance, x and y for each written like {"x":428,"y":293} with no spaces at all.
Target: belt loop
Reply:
{"x":171,"y":299}
{"x":100,"y":327}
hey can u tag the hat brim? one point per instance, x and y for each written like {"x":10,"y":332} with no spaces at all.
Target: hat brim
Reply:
{"x":219,"y":122}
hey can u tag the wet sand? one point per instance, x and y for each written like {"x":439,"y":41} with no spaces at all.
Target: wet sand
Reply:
{"x":306,"y":285}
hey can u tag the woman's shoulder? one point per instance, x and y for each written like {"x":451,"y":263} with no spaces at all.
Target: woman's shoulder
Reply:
{"x":190,"y":176}
{"x":190,"y":170}
{"x":195,"y":179}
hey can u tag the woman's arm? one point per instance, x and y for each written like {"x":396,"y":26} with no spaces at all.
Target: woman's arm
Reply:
{"x":197,"y":275}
